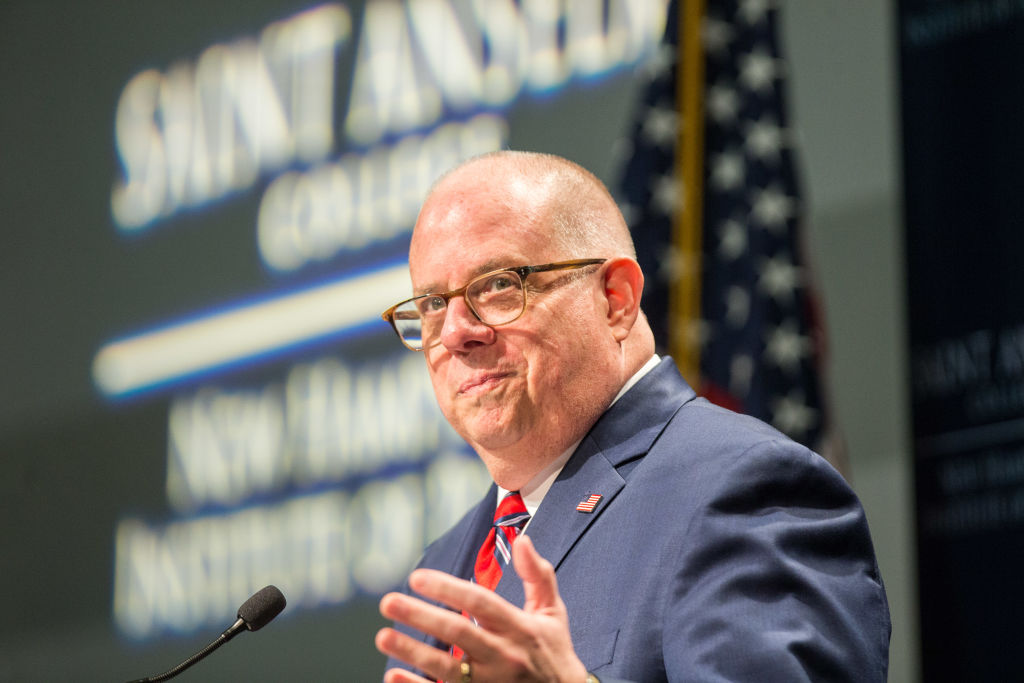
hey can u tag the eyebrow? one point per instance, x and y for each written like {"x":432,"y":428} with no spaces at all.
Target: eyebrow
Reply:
{"x":487,"y":267}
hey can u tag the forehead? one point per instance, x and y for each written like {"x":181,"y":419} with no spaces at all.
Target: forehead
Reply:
{"x":468,"y":227}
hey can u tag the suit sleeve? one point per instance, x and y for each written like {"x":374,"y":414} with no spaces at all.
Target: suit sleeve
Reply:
{"x":777,"y":579}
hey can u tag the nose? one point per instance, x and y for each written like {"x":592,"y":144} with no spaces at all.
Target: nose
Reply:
{"x":462,"y":329}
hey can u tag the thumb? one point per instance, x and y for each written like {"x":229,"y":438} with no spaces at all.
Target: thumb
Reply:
{"x":540,"y":586}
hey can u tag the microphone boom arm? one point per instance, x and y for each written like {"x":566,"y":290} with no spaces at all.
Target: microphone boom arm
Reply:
{"x":235,"y":629}
{"x":253,"y":615}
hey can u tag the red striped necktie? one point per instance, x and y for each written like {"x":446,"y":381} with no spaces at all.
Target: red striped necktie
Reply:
{"x":496,"y":552}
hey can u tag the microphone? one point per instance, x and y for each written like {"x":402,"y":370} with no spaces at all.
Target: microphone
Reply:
{"x":254,"y":614}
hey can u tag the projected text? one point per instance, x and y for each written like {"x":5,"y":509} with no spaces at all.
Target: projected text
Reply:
{"x":319,"y":549}
{"x":330,"y":421}
{"x":200,"y":131}
{"x":311,"y":216}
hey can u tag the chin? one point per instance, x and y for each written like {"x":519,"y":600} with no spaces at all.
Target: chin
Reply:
{"x":492,"y":434}
{"x":492,"y":440}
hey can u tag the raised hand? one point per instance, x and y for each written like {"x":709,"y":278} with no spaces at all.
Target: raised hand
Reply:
{"x":506,"y":644}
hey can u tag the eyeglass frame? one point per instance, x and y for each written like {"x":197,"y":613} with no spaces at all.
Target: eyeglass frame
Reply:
{"x":522,"y":271}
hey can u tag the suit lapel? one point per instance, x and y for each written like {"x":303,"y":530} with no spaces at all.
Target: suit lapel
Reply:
{"x":460,"y":559}
{"x":559,"y":523}
{"x":464,"y":557}
{"x":623,"y":434}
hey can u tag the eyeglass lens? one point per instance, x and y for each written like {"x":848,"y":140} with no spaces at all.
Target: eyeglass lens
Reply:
{"x":496,"y":299}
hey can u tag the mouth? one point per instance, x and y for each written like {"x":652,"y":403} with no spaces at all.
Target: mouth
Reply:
{"x":480,"y":384}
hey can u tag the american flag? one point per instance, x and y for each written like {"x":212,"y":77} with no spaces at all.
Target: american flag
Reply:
{"x":760,"y":336}
{"x":589,"y":503}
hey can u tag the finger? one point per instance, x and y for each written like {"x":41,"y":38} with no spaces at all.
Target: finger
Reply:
{"x":428,"y":659}
{"x":489,"y":609}
{"x":539,"y":583}
{"x":403,"y":676}
{"x":444,"y":624}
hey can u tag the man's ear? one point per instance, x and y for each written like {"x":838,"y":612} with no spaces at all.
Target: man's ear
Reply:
{"x":623,"y":286}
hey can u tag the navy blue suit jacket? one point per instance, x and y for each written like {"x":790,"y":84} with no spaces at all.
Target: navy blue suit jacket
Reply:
{"x":720,"y":549}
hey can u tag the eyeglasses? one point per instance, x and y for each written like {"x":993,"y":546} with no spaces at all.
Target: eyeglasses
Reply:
{"x":495,"y":298}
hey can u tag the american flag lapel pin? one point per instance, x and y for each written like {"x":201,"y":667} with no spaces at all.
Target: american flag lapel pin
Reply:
{"x":589,"y":503}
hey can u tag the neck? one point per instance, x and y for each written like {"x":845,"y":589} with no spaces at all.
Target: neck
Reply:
{"x":514,"y":466}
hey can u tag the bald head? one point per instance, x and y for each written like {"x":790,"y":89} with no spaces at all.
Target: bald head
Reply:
{"x":554,"y":194}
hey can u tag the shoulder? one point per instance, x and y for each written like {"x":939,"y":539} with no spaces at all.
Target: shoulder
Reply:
{"x":715,"y":441}
{"x":733,"y":477}
{"x":775,"y":536}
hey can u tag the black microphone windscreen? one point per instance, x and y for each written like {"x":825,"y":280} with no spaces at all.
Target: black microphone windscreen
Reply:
{"x":263,"y":606}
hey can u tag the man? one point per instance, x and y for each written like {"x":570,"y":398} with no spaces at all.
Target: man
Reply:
{"x":667,"y":539}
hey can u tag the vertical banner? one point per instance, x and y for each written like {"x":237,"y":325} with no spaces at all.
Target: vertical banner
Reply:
{"x":962,"y":147}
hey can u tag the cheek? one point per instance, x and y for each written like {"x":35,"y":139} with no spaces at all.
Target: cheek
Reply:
{"x":566,"y":358}
{"x":437,"y":370}
{"x":552,"y":361}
